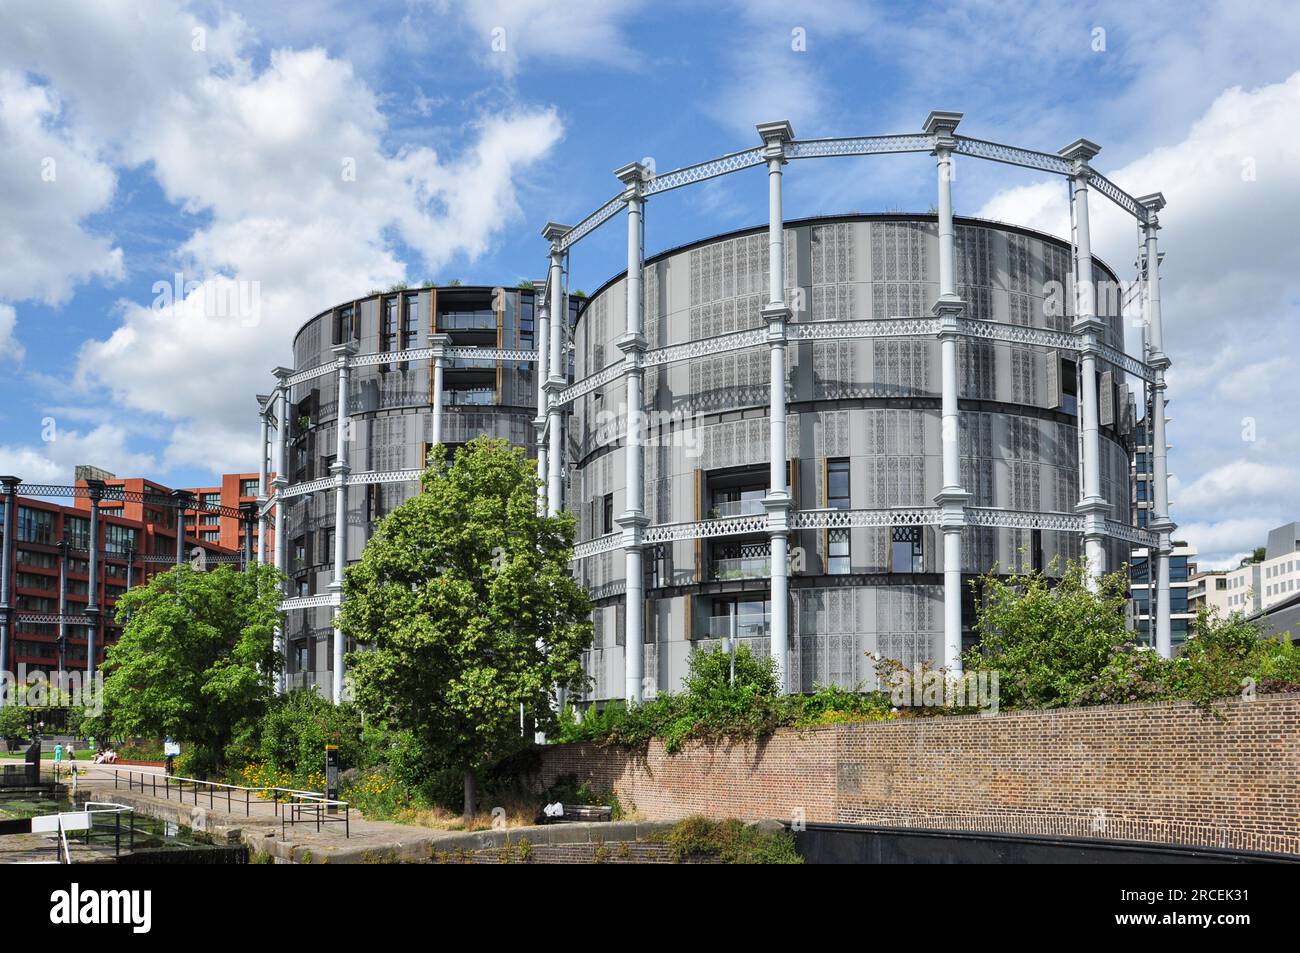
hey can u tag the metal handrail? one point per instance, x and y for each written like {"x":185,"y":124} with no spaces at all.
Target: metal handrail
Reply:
{"x":295,"y":800}
{"x":66,"y":856}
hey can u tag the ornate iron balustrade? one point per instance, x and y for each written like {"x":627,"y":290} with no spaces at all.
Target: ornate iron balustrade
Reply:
{"x":308,"y":602}
{"x":858,"y":146}
{"x":1011,"y":155}
{"x":688,"y":175}
{"x":592,"y":222}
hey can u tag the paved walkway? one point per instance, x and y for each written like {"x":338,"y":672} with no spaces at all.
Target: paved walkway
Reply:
{"x":262,"y":826}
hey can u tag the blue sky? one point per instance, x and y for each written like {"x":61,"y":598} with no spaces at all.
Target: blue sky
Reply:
{"x":141,"y":139}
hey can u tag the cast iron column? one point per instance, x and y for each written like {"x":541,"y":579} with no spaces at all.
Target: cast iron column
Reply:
{"x":7,"y":547}
{"x":340,"y":471}
{"x":1161,"y":524}
{"x":96,"y":492}
{"x":634,"y":520}
{"x":559,"y":321}
{"x":280,"y":483}
{"x":776,"y":313}
{"x":948,"y":308}
{"x":1093,"y":508}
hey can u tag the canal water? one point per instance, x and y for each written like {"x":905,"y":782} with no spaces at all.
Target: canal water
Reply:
{"x":111,"y":837}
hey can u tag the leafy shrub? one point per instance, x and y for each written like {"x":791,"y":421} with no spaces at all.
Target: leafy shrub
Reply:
{"x":1048,"y":640}
{"x":712,"y":708}
{"x":732,"y":841}
{"x":296,"y":728}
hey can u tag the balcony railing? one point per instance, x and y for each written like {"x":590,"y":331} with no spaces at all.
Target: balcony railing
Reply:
{"x":736,"y":508}
{"x":744,"y":567}
{"x":748,"y":626}
{"x":467,"y":321}
{"x":469,"y":398}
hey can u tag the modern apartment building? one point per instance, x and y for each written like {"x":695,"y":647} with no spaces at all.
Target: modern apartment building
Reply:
{"x":808,"y":434}
{"x":237,"y":490}
{"x":50,"y":581}
{"x":1255,"y":587}
{"x":863,"y":432}
{"x":1183,"y":582}
{"x":481,"y":332}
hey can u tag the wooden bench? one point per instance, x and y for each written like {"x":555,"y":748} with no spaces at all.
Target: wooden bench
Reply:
{"x":578,"y":813}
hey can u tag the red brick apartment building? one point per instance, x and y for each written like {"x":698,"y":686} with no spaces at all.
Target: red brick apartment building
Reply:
{"x":49,"y":581}
{"x":236,"y":489}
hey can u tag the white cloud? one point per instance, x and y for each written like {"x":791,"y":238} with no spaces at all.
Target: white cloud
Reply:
{"x":1239,"y":484}
{"x":583,"y":32}
{"x":1230,"y":291}
{"x":11,"y":349}
{"x":303,"y":204}
{"x":55,"y":460}
{"x":52,"y":184}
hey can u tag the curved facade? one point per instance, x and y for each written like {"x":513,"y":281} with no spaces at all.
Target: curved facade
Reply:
{"x":390,"y":426}
{"x":863,"y":432}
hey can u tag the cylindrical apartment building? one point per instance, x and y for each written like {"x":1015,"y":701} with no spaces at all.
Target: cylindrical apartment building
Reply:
{"x":390,"y":427}
{"x":863,"y":433}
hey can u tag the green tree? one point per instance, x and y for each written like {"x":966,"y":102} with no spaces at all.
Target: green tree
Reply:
{"x":464,"y":603}
{"x":15,"y":722}
{"x":296,"y":728}
{"x":196,"y":660}
{"x":1048,"y":639}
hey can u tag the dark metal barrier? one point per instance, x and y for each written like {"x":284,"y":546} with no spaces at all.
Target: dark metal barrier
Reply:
{"x":187,"y":855}
{"x":862,"y":844}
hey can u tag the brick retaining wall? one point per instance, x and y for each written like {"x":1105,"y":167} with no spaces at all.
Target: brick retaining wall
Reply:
{"x":1166,"y":772}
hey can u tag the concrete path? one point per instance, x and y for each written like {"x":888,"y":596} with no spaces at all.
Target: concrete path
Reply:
{"x":264,"y":831}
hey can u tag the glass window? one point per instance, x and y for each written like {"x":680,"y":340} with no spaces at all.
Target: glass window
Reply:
{"x":248,"y":487}
{"x":837,"y":484}
{"x":1177,"y":600}
{"x":837,"y":555}
{"x":1069,"y":388}
{"x":388,"y":325}
{"x":410,"y":320}
{"x":609,"y":513}
{"x":906,"y":551}
{"x":120,"y":539}
{"x":1177,"y":568}
{"x":35,"y":526}
{"x":77,"y":531}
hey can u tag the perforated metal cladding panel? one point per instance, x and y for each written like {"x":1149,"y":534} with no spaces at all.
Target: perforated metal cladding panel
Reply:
{"x":908,"y":622}
{"x":1056,"y":285}
{"x":307,"y":348}
{"x":830,"y":437}
{"x":900,"y":368}
{"x":828,"y":625}
{"x":975,"y":441}
{"x":835,"y":369}
{"x":831,"y":254}
{"x":734,"y":443}
{"x":977,"y":367}
{"x":1106,"y":399}
{"x":1020,"y":264}
{"x":652,"y":321}
{"x":900,"y":270}
{"x":595,"y":324}
{"x":736,"y":379}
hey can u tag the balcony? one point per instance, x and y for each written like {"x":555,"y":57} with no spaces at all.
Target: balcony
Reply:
{"x":739,"y":567}
{"x":467,"y":321}
{"x":748,"y":626}
{"x":721,"y":508}
{"x":478,"y":397}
